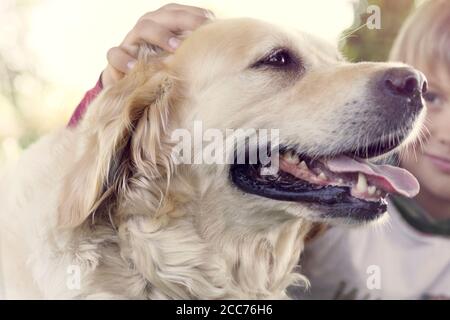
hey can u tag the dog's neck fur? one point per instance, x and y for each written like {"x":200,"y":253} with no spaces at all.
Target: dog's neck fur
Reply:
{"x":184,"y":252}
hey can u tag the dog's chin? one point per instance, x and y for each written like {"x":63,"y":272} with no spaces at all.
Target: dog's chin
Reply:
{"x":355,"y":196}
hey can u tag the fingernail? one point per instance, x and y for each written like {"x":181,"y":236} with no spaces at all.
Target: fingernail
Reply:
{"x":174,"y":43}
{"x":209,"y":14}
{"x":131,"y":64}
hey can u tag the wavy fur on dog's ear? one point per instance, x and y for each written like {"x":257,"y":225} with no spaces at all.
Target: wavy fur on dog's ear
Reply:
{"x":123,"y":142}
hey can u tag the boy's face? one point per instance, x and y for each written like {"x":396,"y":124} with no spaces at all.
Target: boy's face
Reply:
{"x":431,"y":165}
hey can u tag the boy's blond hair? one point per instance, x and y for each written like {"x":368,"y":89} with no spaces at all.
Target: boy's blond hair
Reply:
{"x":424,"y":40}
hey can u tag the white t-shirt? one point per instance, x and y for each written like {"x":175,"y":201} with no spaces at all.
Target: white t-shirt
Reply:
{"x":383,"y":261}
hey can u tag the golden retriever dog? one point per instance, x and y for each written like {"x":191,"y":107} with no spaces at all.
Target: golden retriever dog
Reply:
{"x":104,"y":210}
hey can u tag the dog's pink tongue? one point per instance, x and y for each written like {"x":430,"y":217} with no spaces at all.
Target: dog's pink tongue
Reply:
{"x":391,"y":179}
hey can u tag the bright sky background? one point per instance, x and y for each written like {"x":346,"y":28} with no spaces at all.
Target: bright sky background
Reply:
{"x":71,"y":38}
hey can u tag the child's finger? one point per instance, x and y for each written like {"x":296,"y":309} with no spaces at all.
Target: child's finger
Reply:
{"x":179,"y":20}
{"x":110,"y":76}
{"x":194,"y":10}
{"x":120,"y":60}
{"x":151,"y":32}
{"x":178,"y":6}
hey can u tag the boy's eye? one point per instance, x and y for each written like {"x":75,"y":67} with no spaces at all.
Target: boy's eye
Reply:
{"x":432,"y":98}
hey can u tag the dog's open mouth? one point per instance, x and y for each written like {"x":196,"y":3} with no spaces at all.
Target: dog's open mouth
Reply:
{"x":342,"y":186}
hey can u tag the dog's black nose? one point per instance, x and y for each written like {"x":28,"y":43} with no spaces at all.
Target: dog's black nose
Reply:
{"x":406,"y":82}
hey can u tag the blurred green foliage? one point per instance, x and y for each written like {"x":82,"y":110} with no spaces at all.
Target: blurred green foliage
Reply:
{"x":366,"y":44}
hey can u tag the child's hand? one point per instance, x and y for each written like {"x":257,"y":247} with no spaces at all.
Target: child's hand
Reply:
{"x":159,"y":28}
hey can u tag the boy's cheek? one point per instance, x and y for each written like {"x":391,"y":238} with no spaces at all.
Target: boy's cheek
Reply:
{"x":430,"y":178}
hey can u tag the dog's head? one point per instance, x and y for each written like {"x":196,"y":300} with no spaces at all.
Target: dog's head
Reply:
{"x":289,"y":93}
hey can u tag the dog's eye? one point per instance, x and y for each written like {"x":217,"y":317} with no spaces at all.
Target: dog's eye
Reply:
{"x":278,"y":59}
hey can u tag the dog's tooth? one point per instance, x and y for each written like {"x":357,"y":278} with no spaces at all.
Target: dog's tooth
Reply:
{"x":340,"y":180}
{"x":371,"y":190}
{"x":292,"y":158}
{"x":322,"y":176}
{"x":361,"y":186}
{"x":303,"y":165}
{"x":269,"y":172}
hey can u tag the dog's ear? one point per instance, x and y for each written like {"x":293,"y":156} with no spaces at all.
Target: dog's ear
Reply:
{"x":124,"y":131}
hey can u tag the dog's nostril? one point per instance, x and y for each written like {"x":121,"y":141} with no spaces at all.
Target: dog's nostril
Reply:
{"x":405,"y":82}
{"x":425,"y":87}
{"x":411,"y":85}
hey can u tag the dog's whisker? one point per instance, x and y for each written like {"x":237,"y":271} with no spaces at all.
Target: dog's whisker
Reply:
{"x":351,"y":32}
